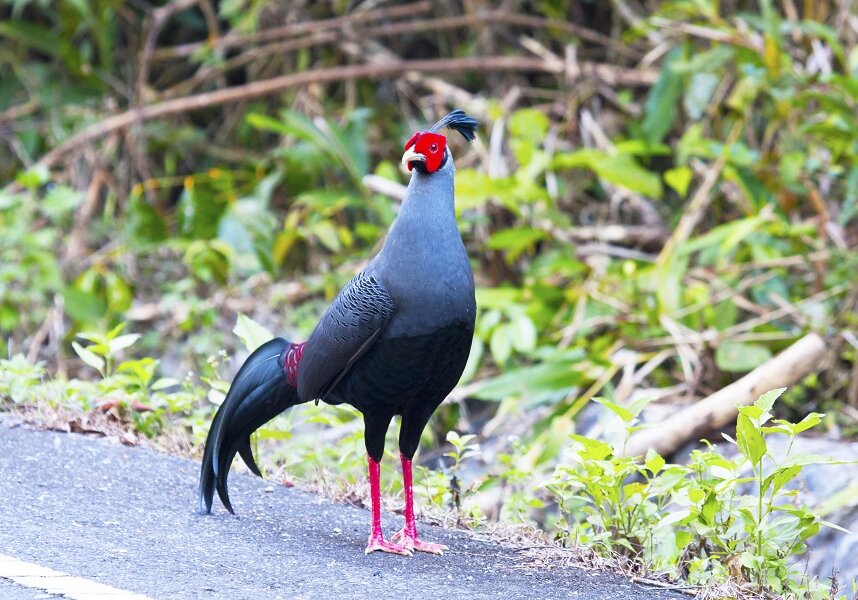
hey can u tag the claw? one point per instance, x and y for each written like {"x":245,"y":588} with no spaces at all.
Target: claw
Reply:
{"x":412,"y":542}
{"x":379,"y":544}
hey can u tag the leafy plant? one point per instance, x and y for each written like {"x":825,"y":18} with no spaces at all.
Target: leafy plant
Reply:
{"x":717,"y":517}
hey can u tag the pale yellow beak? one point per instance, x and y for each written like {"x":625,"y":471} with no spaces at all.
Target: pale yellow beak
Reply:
{"x":410,"y":155}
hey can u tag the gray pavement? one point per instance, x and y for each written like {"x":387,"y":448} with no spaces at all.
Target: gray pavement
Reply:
{"x":12,"y":591}
{"x":126,"y":517}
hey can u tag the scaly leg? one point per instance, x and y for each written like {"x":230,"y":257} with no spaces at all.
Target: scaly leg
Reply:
{"x":376,"y":537}
{"x":407,"y":536}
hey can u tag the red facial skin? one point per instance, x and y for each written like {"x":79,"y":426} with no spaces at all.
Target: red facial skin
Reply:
{"x":432,"y":146}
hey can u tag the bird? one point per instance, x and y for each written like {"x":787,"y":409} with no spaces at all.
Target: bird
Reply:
{"x":394,"y":342}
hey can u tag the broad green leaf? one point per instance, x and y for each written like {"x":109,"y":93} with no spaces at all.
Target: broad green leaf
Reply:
{"x":710,"y":508}
{"x":82,"y":306}
{"x":780,"y":477}
{"x":654,"y":462}
{"x":660,"y":108}
{"x":529,"y":124}
{"x":516,"y":240}
{"x":619,"y":169}
{"x":543,"y":382}
{"x":740,"y":357}
{"x":699,"y":93}
{"x":523,"y":333}
{"x":624,"y":170}
{"x":251,"y":333}
{"x":326,"y":233}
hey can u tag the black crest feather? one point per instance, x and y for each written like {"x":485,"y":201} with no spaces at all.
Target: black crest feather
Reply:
{"x":459,"y":121}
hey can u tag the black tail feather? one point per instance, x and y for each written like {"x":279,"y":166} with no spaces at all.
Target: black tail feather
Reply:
{"x":258,"y":393}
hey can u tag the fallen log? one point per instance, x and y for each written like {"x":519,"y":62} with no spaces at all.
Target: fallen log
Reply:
{"x":719,"y":410}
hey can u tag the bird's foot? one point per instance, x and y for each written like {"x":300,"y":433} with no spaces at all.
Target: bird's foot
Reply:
{"x":412,"y":542}
{"x":379,"y":544}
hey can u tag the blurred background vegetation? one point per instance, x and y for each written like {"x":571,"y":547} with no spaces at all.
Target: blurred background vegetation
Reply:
{"x":662,"y":196}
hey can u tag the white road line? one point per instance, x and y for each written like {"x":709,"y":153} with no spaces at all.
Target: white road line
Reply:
{"x":61,"y":584}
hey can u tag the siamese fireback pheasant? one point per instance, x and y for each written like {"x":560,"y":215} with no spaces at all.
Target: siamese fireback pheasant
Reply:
{"x":393,"y":342}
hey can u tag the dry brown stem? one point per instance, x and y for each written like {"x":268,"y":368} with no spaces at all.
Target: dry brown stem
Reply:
{"x":294,"y":29}
{"x":267,"y":87}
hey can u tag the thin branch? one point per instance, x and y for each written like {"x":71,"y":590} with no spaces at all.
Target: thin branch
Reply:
{"x":275,"y":85}
{"x":19,"y":110}
{"x":154,"y":24}
{"x":325,"y":36}
{"x":294,"y":29}
{"x":699,"y":202}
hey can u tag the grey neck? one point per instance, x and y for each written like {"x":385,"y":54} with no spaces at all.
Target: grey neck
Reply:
{"x":427,"y":217}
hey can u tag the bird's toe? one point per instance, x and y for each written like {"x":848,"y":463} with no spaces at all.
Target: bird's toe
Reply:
{"x":379,"y":544}
{"x":415,"y":544}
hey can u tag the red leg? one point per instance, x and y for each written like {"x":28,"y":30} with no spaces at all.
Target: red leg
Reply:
{"x":408,"y":535}
{"x":376,"y":537}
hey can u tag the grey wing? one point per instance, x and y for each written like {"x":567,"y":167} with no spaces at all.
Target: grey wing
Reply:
{"x":346,"y":331}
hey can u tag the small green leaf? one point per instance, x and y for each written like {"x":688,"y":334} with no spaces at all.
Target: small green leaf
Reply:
{"x":523,"y":333}
{"x":767,"y":400}
{"x":122,"y":342}
{"x":90,"y":358}
{"x":33,"y":178}
{"x":624,"y":414}
{"x":592,"y":449}
{"x":60,"y":200}
{"x":326,"y":233}
{"x":654,"y":462}
{"x":500,"y":344}
{"x":750,"y":440}
{"x":625,"y":171}
{"x":679,"y":178}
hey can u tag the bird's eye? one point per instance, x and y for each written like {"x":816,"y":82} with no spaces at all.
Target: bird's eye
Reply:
{"x":433,"y":147}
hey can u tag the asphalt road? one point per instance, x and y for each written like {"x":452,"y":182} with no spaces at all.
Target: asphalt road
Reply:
{"x":126,"y":517}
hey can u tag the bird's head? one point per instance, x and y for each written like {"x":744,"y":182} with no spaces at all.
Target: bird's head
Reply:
{"x":427,"y":150}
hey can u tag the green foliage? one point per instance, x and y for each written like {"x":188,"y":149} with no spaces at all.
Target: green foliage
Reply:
{"x":717,"y":517}
{"x":182,"y":223}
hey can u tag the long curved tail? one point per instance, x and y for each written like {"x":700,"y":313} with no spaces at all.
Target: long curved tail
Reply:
{"x":259,"y":392}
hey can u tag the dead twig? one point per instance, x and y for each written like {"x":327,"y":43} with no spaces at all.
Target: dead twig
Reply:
{"x":267,"y":87}
{"x":155,"y":23}
{"x":293,"y":29}
{"x":19,"y":110}
{"x":385,"y":187}
{"x":699,"y":202}
{"x":626,"y":235}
